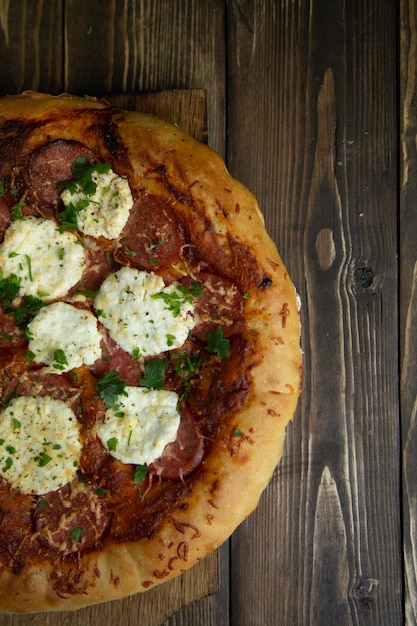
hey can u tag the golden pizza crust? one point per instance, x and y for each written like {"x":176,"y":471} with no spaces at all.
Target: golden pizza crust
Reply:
{"x":238,"y":468}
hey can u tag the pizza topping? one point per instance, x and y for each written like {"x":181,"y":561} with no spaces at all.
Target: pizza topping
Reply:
{"x":183,"y":455}
{"x":40,"y":444}
{"x":140,"y":424}
{"x":220,"y":304}
{"x":153,"y":236}
{"x":97,"y":200}
{"x":70,"y":519}
{"x":47,"y":262}
{"x":131,"y":305}
{"x":63,"y":337}
{"x":51,"y":164}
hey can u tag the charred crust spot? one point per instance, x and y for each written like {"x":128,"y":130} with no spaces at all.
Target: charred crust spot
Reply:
{"x":266,"y":282}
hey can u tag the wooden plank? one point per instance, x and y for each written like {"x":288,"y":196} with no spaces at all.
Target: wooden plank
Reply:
{"x":31,"y":46}
{"x":149,"y":45}
{"x":312,"y":102}
{"x":408,"y":292}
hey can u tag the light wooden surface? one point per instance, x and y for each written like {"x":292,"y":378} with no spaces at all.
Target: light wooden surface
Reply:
{"x":305,"y":101}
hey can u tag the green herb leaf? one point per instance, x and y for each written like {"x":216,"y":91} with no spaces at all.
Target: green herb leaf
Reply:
{"x":82,"y":176}
{"x":43,"y":459}
{"x":27,"y":310}
{"x":112,"y":444}
{"x":183,"y":295}
{"x":16,"y":210}
{"x":9,"y":289}
{"x":76,"y":533}
{"x":109,"y":387}
{"x":154,"y":374}
{"x":139,"y":473}
{"x":217,"y":344}
{"x":60,"y":359}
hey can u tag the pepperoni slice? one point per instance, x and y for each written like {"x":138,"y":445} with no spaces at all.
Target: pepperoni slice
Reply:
{"x":152,"y":237}
{"x":115,"y":358}
{"x":6,"y":202}
{"x":10,"y":336}
{"x":183,"y":455}
{"x":221,"y":304}
{"x":99,"y":266}
{"x":51,"y":164}
{"x":70,"y":519}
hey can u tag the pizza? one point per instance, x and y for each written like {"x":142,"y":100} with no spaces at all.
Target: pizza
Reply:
{"x":149,"y":352}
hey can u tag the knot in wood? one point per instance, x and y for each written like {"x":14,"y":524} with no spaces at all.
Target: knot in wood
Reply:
{"x":364,"y":276}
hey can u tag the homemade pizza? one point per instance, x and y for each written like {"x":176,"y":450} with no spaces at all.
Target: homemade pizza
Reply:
{"x":149,"y":352}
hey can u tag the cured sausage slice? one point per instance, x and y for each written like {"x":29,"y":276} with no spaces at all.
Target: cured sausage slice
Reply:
{"x":152,"y":237}
{"x":51,"y":164}
{"x":70,"y":519}
{"x":184,"y":454}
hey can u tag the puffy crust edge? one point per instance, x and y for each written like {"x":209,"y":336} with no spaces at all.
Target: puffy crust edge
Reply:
{"x":237,"y":465}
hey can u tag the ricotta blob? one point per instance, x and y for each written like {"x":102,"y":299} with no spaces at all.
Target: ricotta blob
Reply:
{"x":140,"y":425}
{"x":105,"y":212}
{"x":40,"y":444}
{"x":49,"y":262}
{"x":63,"y":336}
{"x":142,"y":315}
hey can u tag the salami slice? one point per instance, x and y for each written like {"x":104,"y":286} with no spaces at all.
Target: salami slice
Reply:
{"x":221,"y":304}
{"x":183,"y":455}
{"x":152,"y":237}
{"x":70,"y":519}
{"x":6,"y":203}
{"x":51,"y":164}
{"x":117,"y":359}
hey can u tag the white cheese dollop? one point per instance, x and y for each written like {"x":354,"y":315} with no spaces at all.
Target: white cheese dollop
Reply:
{"x":140,"y":323}
{"x":141,"y":425}
{"x":40,"y":444}
{"x":108,"y":208}
{"x":48,"y":262}
{"x":63,"y":336}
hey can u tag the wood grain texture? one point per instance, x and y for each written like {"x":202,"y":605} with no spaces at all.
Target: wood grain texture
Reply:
{"x":307,"y":92}
{"x":408,"y":301}
{"x":149,"y":46}
{"x":31,"y":46}
{"x":312,"y":100}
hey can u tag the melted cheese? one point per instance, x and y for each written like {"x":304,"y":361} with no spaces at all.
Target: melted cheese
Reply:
{"x":108,"y":208}
{"x":40,"y":444}
{"x":64,"y":328}
{"x":141,"y":425}
{"x":48,"y":262}
{"x":139,"y":323}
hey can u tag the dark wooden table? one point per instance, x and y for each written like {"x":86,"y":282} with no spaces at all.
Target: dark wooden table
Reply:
{"x":313,"y":106}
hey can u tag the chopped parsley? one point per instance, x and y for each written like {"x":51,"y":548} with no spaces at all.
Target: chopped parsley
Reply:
{"x":182,"y":295}
{"x":76,"y":533}
{"x":83,"y":176}
{"x":42,"y":459}
{"x":112,"y":444}
{"x":139,"y":473}
{"x":28,"y":306}
{"x":82,"y":180}
{"x":60,"y":360}
{"x":109,"y":387}
{"x":17,"y":210}
{"x":154,"y":374}
{"x":217,"y":344}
